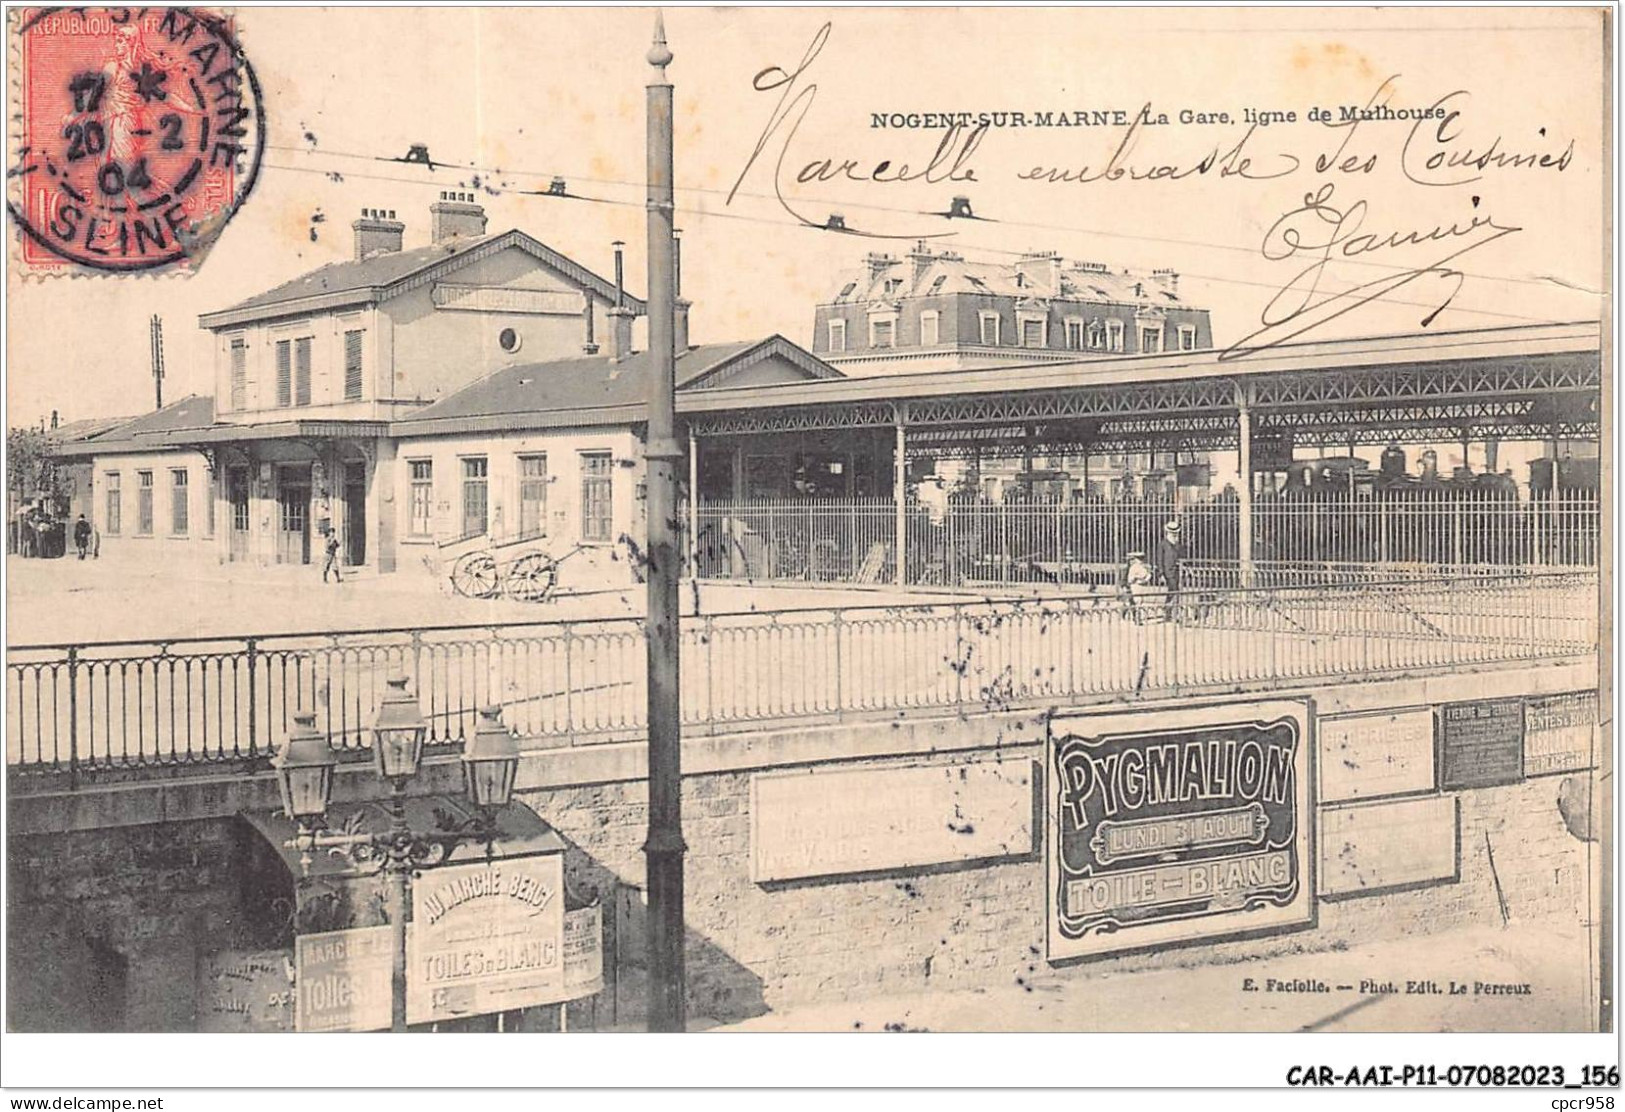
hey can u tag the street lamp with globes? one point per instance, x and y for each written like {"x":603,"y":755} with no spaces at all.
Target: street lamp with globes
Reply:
{"x":305,"y":775}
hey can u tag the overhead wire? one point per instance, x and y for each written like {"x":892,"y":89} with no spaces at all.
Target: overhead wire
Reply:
{"x":959,"y":246}
{"x":1542,"y":281}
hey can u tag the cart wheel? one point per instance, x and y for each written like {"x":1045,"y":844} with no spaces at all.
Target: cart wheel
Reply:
{"x":531,"y":578}
{"x":475,"y":575}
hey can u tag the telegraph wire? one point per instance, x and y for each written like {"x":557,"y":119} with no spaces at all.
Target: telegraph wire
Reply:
{"x":954,"y":212}
{"x":959,"y":247}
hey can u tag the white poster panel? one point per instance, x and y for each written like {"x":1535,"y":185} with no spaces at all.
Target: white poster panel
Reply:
{"x":486,"y":937}
{"x":1172,"y":825}
{"x":1376,"y":846}
{"x":858,"y":820}
{"x":1362,"y":756}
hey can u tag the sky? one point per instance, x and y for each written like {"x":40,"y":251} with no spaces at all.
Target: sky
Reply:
{"x":527,"y":94}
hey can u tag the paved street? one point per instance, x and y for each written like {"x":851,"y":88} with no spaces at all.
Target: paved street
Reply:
{"x":1553,"y":960}
{"x":56,"y":601}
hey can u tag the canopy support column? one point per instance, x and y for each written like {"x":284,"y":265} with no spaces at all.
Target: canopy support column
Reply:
{"x":1244,"y":505}
{"x":900,"y":496}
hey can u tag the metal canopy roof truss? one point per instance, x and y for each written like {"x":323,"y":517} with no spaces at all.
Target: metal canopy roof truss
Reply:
{"x":1501,"y":391}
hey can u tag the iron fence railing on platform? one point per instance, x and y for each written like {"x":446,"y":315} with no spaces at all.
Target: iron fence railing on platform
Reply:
{"x":130,"y":704}
{"x":975,"y":541}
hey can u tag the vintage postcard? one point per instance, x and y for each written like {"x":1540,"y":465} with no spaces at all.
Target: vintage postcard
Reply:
{"x":1071,"y":519}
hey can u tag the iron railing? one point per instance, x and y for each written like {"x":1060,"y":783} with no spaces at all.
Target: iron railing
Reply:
{"x":975,"y":541}
{"x":134,"y":704}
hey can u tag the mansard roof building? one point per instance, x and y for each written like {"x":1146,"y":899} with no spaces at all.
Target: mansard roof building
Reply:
{"x":937,"y":310}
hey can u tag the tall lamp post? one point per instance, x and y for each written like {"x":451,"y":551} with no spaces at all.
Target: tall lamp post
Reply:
{"x":664,"y":848}
{"x":305,"y":775}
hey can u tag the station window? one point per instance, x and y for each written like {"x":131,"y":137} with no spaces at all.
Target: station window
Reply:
{"x":143,"y":503}
{"x":930,"y":328}
{"x":179,"y":505}
{"x":532,"y":496}
{"x":476,"y":519}
{"x":1074,"y":335}
{"x":113,"y":517}
{"x":1033,"y":333}
{"x":837,"y":335}
{"x":421,"y":472}
{"x":1151,"y":339}
{"x":597,"y":492}
{"x":883,"y":333}
{"x":1114,"y":335}
{"x":1187,"y":337}
{"x":1097,"y":335}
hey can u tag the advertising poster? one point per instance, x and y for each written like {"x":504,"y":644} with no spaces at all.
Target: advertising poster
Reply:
{"x":1167,"y":826}
{"x":486,"y":937}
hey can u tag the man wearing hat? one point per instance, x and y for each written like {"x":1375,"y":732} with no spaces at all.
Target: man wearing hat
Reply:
{"x":1170,"y":551}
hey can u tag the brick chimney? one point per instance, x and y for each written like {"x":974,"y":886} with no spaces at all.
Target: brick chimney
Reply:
{"x":922,"y":258}
{"x":878,"y":264}
{"x":456,"y":214}
{"x":620,"y":332}
{"x":377,"y":233}
{"x":1041,"y":269}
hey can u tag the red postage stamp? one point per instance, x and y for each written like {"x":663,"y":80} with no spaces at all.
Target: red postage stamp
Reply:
{"x":142,"y":133}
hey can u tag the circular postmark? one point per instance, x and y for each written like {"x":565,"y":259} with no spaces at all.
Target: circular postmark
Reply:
{"x":142,"y":134}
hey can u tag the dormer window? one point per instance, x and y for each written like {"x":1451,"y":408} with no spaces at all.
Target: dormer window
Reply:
{"x":1097,"y":335}
{"x":837,"y":335}
{"x":846,"y":291}
{"x":893,"y":285}
{"x":1150,"y":338}
{"x":1187,"y":337}
{"x":990,"y":329}
{"x":883,"y":333}
{"x":930,"y":328}
{"x":1114,"y":335}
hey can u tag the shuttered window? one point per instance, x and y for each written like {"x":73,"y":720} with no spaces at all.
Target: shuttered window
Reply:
{"x":352,"y":365}
{"x":284,"y":373}
{"x":179,"y":491}
{"x":239,"y":374}
{"x":143,"y":503}
{"x":301,"y":366}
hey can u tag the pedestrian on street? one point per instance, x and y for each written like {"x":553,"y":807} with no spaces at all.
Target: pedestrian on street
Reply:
{"x":1170,"y":553}
{"x":332,"y":562}
{"x":81,"y":536}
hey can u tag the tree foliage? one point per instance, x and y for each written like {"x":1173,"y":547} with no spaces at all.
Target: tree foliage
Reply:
{"x":30,"y":468}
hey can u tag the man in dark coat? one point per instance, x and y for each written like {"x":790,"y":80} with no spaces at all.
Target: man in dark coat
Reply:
{"x":1170,"y":551}
{"x":81,"y":536}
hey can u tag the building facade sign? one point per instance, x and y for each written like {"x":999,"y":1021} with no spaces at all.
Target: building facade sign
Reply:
{"x":1560,"y":733}
{"x":343,"y":980}
{"x":1166,"y":826}
{"x":500,"y":299}
{"x":1362,"y":756}
{"x":1480,"y":743}
{"x":486,"y":937}
{"x":806,"y":824}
